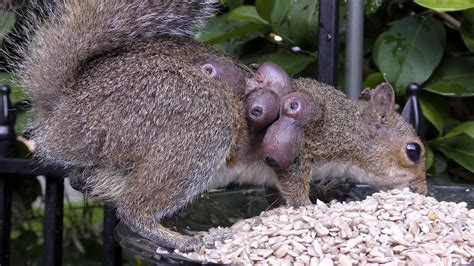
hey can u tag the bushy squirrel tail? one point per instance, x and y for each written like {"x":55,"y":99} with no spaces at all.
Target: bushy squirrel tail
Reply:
{"x":78,"y":30}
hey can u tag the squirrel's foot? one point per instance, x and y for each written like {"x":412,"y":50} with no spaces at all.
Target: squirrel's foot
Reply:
{"x":215,"y":235}
{"x":192,"y":245}
{"x":206,"y":239}
{"x":330,"y":189}
{"x":298,"y":202}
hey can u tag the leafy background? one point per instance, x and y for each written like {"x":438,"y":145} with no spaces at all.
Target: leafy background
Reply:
{"x":430,"y":42}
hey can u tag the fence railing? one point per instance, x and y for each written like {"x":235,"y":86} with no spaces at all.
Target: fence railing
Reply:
{"x":11,"y":168}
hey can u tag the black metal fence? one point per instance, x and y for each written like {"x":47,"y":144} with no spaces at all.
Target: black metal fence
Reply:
{"x":11,"y":168}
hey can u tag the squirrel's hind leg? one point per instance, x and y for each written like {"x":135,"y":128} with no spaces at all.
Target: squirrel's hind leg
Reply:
{"x":150,"y":195}
{"x":180,"y":165}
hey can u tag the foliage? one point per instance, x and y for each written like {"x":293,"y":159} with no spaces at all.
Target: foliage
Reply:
{"x":400,"y":53}
{"x":404,"y":42}
{"x":442,"y":5}
{"x":82,"y":235}
{"x":7,"y":20}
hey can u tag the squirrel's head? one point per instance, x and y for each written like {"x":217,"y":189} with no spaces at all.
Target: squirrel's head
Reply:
{"x":367,"y":141}
{"x":400,"y":154}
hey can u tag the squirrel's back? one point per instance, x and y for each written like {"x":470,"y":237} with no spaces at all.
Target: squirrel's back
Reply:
{"x":78,"y":30}
{"x":94,"y":68}
{"x":134,"y":98}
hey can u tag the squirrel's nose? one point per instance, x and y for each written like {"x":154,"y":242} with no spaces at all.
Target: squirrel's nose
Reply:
{"x":419,"y":186}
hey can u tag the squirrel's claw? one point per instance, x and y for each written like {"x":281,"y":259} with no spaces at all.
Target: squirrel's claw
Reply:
{"x":206,"y":239}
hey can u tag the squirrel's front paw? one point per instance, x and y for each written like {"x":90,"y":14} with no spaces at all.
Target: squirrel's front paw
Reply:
{"x":206,"y":239}
{"x":298,"y":202}
{"x":214,"y":235}
{"x":327,"y":190}
{"x":192,"y":245}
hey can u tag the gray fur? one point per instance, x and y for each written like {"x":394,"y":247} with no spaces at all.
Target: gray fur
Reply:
{"x":79,"y":30}
{"x":117,"y":91}
{"x":353,"y":140}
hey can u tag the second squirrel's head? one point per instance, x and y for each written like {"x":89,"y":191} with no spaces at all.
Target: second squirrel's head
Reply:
{"x":367,"y":141}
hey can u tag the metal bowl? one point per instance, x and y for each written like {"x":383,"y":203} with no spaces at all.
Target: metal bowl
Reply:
{"x":225,"y":207}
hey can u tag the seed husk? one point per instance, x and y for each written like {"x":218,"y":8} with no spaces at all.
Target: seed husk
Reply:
{"x":394,"y":227}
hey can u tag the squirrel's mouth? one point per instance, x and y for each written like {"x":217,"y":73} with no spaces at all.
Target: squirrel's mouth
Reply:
{"x":336,"y":169}
{"x":419,"y":186}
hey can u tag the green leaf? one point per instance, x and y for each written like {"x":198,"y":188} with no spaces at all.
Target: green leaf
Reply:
{"x":467,"y":29}
{"x":454,"y":77}
{"x":279,"y":12}
{"x":273,"y":11}
{"x":22,"y":151}
{"x":429,"y":157}
{"x":460,"y":149}
{"x":466,"y":128}
{"x":265,"y":8}
{"x":439,"y":164}
{"x":292,"y":63}
{"x":303,"y":23}
{"x":446,"y":5}
{"x":373,"y":80}
{"x":7,"y":20}
{"x":436,"y":110}
{"x":458,"y":145}
{"x":442,"y":178}
{"x":410,"y":51}
{"x":231,"y":4}
{"x":220,"y":29}
{"x":250,"y":30}
{"x":372,"y":6}
{"x":17,"y":94}
{"x":246,"y":14}
{"x":23,"y":119}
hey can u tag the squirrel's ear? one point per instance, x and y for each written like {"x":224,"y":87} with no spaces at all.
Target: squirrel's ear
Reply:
{"x":365,"y":95}
{"x":381,"y":104}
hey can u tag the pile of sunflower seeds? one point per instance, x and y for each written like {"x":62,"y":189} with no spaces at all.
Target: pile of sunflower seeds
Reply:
{"x":391,"y":228}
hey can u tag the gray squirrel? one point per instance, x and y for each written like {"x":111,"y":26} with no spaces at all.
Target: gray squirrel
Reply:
{"x":154,"y":118}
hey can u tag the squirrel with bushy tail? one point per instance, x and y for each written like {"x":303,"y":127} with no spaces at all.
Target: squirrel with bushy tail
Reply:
{"x":151,"y":118}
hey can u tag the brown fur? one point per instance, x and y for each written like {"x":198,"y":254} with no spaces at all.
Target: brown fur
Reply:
{"x":353,"y":134}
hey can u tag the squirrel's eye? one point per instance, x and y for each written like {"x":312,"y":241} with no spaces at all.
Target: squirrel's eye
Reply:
{"x":413,"y":152}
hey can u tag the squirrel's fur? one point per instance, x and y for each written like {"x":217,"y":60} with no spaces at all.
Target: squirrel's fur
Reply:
{"x":77,"y":31}
{"x":118,"y":94}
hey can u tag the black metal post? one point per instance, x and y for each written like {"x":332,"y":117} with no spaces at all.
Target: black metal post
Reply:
{"x":328,"y":44}
{"x":30,"y":167}
{"x":53,"y":221}
{"x":412,"y":110}
{"x":7,"y":120}
{"x":7,"y":141}
{"x":5,"y":220}
{"x":354,"y":48}
{"x":112,"y":252}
